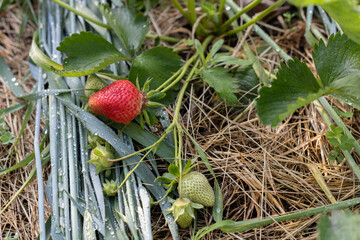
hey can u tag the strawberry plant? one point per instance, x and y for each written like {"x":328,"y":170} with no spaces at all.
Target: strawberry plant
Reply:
{"x":104,"y":168}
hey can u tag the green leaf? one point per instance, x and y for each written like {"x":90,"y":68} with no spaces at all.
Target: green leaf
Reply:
{"x":294,"y":87}
{"x":131,"y":28}
{"x":12,"y":109}
{"x":343,"y":114}
{"x":222,"y":82}
{"x":345,"y":12}
{"x":341,"y":225}
{"x":248,"y":84}
{"x":159,"y":64}
{"x":215,"y":48}
{"x":174,"y":170}
{"x":88,"y":53}
{"x":337,"y":60}
{"x":6,"y":137}
{"x":187,"y":166}
{"x":337,"y":64}
{"x":163,"y":180}
{"x":334,"y":142}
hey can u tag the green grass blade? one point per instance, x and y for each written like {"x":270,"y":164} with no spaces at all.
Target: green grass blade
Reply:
{"x":12,"y":109}
{"x":251,"y":224}
{"x":10,"y":79}
{"x":94,"y":125}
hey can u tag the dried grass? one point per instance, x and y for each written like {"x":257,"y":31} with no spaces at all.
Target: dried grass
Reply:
{"x":261,"y":171}
{"x":22,"y":215}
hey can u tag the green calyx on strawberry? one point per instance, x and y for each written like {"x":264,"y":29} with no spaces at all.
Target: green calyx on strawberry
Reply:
{"x":109,"y":188}
{"x":122,"y":101}
{"x":94,"y":84}
{"x":100,"y":157}
{"x":183,"y":211}
{"x":94,"y":141}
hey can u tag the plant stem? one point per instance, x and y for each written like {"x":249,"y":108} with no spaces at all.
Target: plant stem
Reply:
{"x":221,"y":10}
{"x":238,"y":14}
{"x":149,"y":147}
{"x":261,"y":32}
{"x":68,"y":7}
{"x":94,"y":20}
{"x":181,"y":10}
{"x":257,"y":18}
{"x":163,"y":38}
{"x":251,"y":224}
{"x":179,"y":77}
{"x":192,"y":13}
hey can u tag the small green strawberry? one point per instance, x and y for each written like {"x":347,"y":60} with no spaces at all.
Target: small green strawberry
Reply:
{"x":183,"y":212}
{"x":100,"y":157}
{"x":109,"y":188}
{"x":196,"y":187}
{"x":93,"y":84}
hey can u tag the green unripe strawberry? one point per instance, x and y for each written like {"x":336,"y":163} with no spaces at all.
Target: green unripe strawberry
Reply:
{"x":196,"y":187}
{"x":183,"y":212}
{"x":93,"y":84}
{"x":100,"y":157}
{"x":109,"y":188}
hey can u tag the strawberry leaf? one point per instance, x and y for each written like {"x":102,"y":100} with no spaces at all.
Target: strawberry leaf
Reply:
{"x":159,"y":64}
{"x":88,"y":51}
{"x":131,"y":28}
{"x":337,"y":60}
{"x":338,"y":65}
{"x":223,"y":83}
{"x":341,"y":225}
{"x":248,"y":83}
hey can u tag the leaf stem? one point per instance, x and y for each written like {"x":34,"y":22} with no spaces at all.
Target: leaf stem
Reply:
{"x":221,"y":10}
{"x":163,"y":38}
{"x":238,"y":14}
{"x":257,"y":18}
{"x":181,"y":10}
{"x":94,"y":20}
{"x":178,"y":78}
{"x":149,"y":147}
{"x":251,"y":224}
{"x":192,"y":13}
{"x":261,"y":32}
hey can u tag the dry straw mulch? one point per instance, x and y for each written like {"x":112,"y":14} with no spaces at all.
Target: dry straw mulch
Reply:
{"x":262,"y":172}
{"x":22,"y":215}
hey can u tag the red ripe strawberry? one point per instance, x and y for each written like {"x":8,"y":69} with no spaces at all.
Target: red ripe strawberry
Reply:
{"x":121,"y":101}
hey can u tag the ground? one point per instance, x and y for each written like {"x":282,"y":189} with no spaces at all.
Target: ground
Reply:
{"x":261,"y":171}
